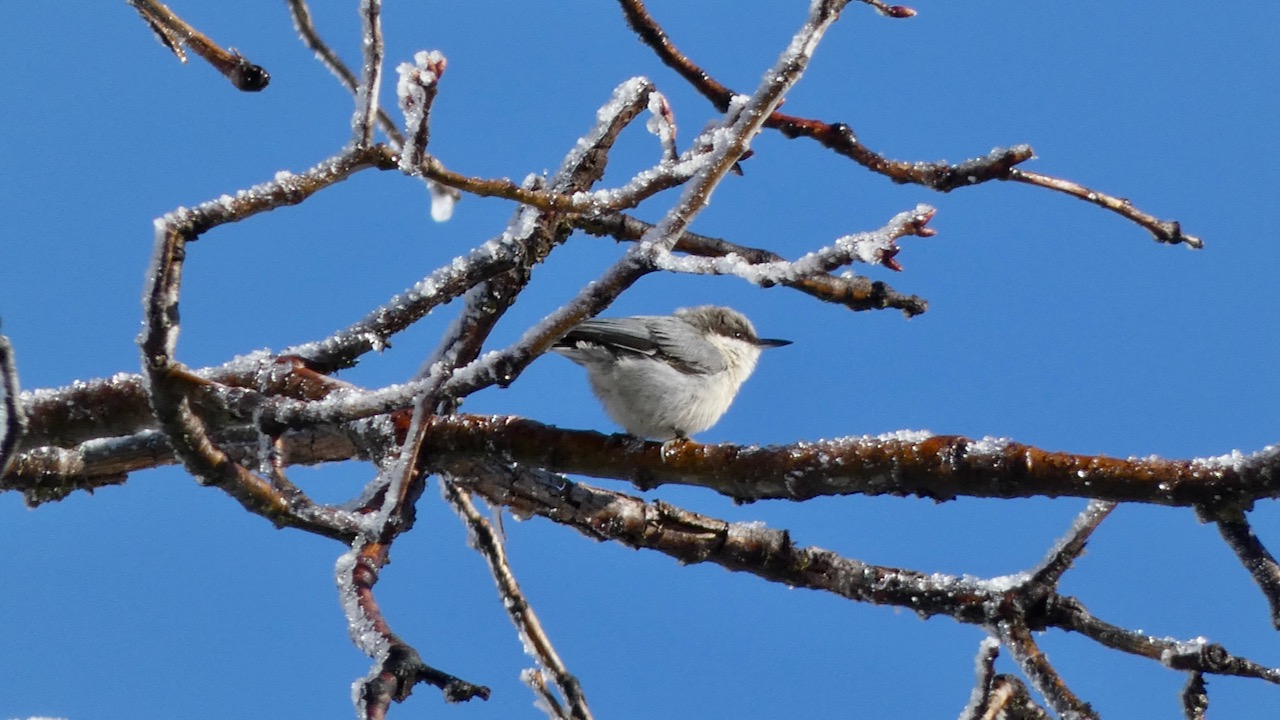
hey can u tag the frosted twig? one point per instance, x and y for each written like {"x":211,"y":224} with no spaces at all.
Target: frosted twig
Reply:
{"x":1196,"y":655}
{"x":1065,"y":551}
{"x":839,"y":137}
{"x":173,"y":32}
{"x":743,"y":120}
{"x":417,"y":90}
{"x":169,"y":384}
{"x":643,"y":186}
{"x":876,"y":248}
{"x":855,"y":293}
{"x":397,"y":666}
{"x":998,"y":697}
{"x":1045,"y":679}
{"x":374,"y":330}
{"x":1195,"y":697}
{"x":13,"y":418}
{"x":362,"y":123}
{"x":489,"y":544}
{"x":980,"y":699}
{"x":301,"y":14}
{"x":544,"y":699}
{"x":1261,"y":564}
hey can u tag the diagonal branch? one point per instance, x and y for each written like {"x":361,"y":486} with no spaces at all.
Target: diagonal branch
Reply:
{"x":1261,"y":564}
{"x":174,"y":33}
{"x":489,"y":544}
{"x":1043,"y":676}
{"x":839,"y":137}
{"x":302,"y":22}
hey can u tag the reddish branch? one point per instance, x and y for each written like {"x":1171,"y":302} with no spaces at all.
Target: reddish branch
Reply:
{"x":400,"y":667}
{"x":175,"y":33}
{"x":840,"y":138}
{"x":941,"y":467}
{"x":1014,"y":606}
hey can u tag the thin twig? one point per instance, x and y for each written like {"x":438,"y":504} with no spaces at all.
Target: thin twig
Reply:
{"x":170,"y":385}
{"x":173,"y":32}
{"x":940,"y":467}
{"x":302,"y":22}
{"x":855,"y":293}
{"x":1064,"y":552}
{"x":1195,"y":697}
{"x":1042,"y":675}
{"x":363,"y":122}
{"x":1261,"y":564}
{"x":489,"y":544}
{"x":13,"y":417}
{"x":1164,"y":231}
{"x":839,"y":137}
{"x":398,"y":667}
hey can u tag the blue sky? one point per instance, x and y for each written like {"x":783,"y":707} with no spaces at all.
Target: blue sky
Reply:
{"x":1051,"y":322}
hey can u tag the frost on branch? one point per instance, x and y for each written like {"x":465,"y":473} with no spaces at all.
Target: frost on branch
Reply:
{"x":12,"y":416}
{"x":417,"y":89}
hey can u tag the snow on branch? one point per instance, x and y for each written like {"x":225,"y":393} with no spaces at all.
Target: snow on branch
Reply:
{"x":13,"y":418}
{"x":877,"y":247}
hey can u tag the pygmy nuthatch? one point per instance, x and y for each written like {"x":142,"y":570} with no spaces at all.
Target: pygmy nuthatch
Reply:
{"x":667,"y":376}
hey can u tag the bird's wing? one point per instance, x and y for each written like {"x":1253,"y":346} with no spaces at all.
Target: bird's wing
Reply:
{"x":657,"y":337}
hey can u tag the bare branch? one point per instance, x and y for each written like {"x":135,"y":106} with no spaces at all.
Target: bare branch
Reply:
{"x":1195,"y":697}
{"x":839,"y":137}
{"x":301,"y":14}
{"x":1071,"y":546}
{"x":489,"y":544}
{"x":397,"y":667}
{"x":13,"y":417}
{"x":362,"y":123}
{"x":174,"y":33}
{"x":941,"y":467}
{"x":1044,"y":678}
{"x":1164,"y":231}
{"x":855,"y":293}
{"x":1261,"y":564}
{"x":770,"y":554}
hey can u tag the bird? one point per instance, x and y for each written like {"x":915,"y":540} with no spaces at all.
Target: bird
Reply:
{"x":666,"y":377}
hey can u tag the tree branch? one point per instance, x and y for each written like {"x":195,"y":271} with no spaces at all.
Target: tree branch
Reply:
{"x":174,"y":33}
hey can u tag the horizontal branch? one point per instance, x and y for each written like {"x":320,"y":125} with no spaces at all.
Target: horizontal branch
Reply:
{"x":855,"y":292}
{"x":941,"y":467}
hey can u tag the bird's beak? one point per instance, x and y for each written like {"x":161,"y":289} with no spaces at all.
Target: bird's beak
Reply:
{"x":771,"y":342}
